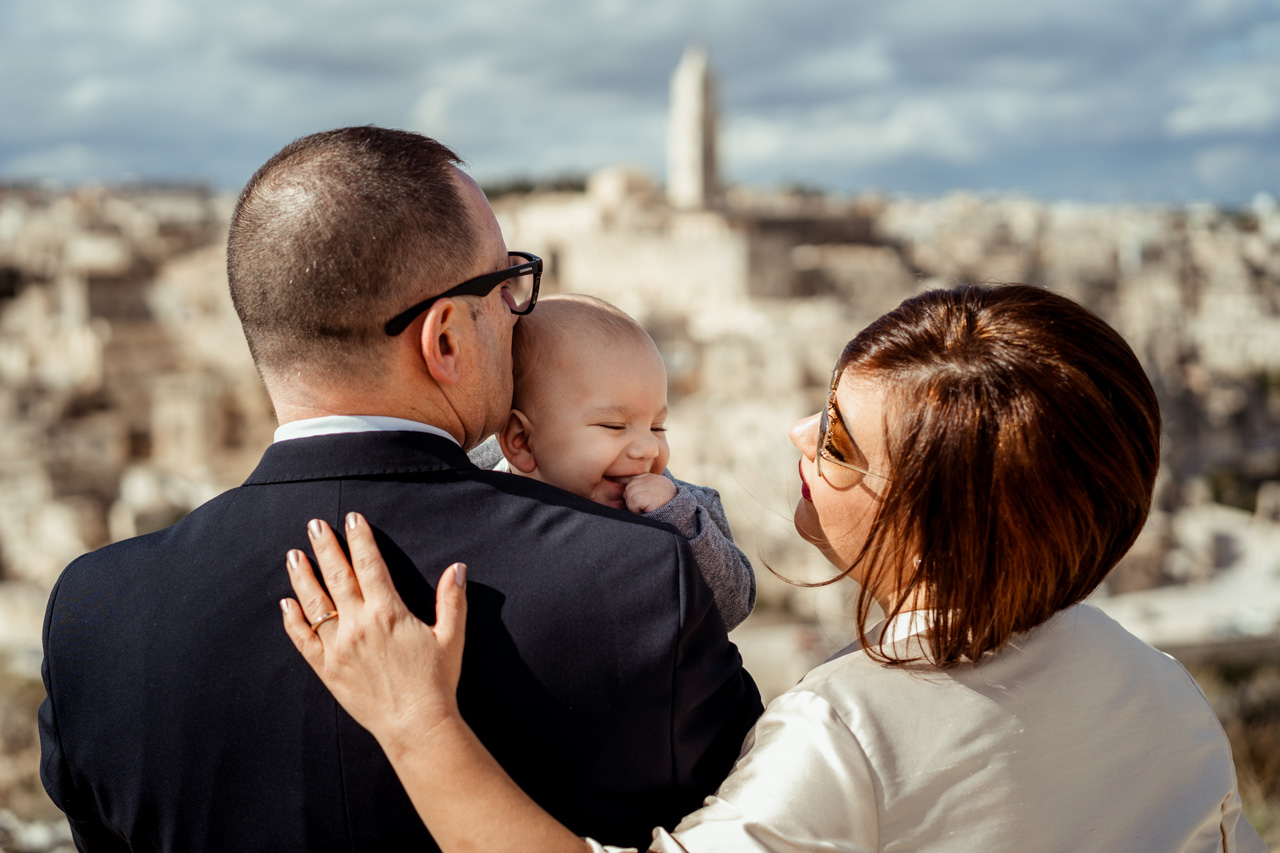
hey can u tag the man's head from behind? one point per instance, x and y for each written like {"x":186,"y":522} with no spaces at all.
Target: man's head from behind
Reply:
{"x":590,"y":399}
{"x":333,"y":236}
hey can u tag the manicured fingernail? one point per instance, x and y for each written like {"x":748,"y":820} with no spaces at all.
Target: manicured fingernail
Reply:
{"x":294,"y":558}
{"x":286,"y":604}
{"x":314,"y":528}
{"x":353,"y":519}
{"x":460,"y":574}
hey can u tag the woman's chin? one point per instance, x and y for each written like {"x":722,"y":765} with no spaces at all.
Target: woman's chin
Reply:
{"x":806,"y":524}
{"x":807,"y":528}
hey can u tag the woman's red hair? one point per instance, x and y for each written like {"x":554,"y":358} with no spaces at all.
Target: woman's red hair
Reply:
{"x":1024,"y":451}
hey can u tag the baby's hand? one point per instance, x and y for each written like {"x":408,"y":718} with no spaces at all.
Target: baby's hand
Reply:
{"x":647,"y":492}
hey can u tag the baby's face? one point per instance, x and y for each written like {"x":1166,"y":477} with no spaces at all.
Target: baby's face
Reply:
{"x":600,"y":420}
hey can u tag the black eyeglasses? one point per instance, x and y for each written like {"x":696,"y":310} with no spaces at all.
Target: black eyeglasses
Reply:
{"x":830,"y":429}
{"x":520,"y":291}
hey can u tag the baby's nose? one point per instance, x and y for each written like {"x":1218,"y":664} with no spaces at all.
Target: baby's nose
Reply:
{"x":644,"y":447}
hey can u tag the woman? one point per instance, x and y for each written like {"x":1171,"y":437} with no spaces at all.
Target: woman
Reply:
{"x":985,"y":457}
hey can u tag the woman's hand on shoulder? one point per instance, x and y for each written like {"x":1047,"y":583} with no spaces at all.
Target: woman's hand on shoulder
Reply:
{"x":396,"y":675}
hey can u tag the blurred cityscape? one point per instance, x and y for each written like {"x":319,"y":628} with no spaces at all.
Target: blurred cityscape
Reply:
{"x":128,"y":397}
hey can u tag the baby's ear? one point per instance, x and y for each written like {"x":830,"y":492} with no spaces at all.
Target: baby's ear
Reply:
{"x":514,"y":441}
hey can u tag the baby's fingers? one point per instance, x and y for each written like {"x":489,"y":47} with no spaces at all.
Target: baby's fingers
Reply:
{"x":647,"y":492}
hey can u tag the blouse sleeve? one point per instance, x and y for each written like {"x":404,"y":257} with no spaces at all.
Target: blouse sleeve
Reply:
{"x":802,"y":783}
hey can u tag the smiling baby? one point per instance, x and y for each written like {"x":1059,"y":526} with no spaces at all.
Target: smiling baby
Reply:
{"x":589,"y":416}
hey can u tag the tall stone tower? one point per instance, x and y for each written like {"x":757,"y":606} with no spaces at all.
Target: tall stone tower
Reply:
{"x":692,"y":179}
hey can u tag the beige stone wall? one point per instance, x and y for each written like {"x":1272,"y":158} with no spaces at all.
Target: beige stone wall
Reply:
{"x":120,"y":357}
{"x":129,"y":397}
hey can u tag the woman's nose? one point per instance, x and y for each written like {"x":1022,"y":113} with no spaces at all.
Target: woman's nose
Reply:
{"x":804,"y":435}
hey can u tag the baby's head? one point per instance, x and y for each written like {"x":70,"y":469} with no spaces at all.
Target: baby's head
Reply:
{"x":590,"y":399}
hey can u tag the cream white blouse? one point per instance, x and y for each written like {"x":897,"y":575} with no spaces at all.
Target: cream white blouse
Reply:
{"x":1078,"y":737}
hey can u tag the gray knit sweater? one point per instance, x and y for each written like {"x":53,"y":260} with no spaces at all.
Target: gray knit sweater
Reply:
{"x":697,"y":514}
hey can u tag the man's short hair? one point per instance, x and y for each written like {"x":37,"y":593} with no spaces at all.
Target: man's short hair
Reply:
{"x":337,"y":233}
{"x":565,"y":319}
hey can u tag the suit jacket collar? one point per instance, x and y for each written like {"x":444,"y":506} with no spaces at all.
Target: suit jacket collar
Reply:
{"x":359,"y":454}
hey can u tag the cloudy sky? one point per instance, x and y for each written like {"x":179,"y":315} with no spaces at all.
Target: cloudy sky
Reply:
{"x":1099,"y":100}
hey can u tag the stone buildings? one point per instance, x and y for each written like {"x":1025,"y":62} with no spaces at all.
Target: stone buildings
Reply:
{"x":126,"y":390}
{"x":128,"y":396}
{"x":752,"y":302}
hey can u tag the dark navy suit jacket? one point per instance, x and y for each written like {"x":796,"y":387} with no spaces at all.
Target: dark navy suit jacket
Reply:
{"x":179,"y":716}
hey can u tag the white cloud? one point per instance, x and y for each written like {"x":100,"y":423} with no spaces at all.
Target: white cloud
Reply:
{"x":864,"y":63}
{"x":955,"y":91}
{"x":916,"y":129}
{"x":1221,"y":163}
{"x":86,"y":94}
{"x":153,"y":21}
{"x":1218,"y":10}
{"x":456,"y":103}
{"x":1240,"y":101}
{"x":1236,"y":170}
{"x":72,"y":162}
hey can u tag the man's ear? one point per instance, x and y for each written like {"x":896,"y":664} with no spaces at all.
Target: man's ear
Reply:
{"x":514,"y":440}
{"x":440,"y":342}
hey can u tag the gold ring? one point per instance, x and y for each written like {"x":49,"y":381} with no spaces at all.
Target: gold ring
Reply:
{"x":315,"y":626}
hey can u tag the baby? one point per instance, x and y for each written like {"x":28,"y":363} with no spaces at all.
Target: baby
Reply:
{"x":588,"y":414}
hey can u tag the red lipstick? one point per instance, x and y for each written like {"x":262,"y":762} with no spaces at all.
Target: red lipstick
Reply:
{"x":804,"y":484}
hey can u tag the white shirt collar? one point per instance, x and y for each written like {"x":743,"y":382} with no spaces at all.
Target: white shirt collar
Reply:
{"x":906,"y":624}
{"x":888,"y":632}
{"x":337,"y":424}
